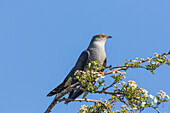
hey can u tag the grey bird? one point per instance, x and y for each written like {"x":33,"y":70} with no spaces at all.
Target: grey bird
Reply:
{"x":94,"y":52}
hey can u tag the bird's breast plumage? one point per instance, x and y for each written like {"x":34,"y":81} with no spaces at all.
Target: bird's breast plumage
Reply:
{"x":97,"y":54}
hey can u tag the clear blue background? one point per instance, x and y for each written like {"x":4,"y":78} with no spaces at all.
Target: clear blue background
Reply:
{"x":40,"y":41}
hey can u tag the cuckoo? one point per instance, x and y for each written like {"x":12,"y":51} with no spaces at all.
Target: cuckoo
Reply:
{"x":94,"y":52}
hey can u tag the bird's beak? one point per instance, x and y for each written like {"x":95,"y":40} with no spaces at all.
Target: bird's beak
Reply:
{"x":109,"y":37}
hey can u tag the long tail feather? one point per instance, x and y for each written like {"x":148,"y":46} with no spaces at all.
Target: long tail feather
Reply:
{"x":58,"y":89}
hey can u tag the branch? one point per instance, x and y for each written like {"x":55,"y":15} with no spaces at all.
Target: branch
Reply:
{"x":83,"y":99}
{"x":86,"y":100}
{"x":118,"y":68}
{"x":105,"y":92}
{"x":57,"y":97}
{"x":157,"y":110}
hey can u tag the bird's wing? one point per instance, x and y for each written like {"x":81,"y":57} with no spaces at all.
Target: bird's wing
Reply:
{"x":69,"y":80}
{"x":83,"y":60}
{"x":81,"y":65}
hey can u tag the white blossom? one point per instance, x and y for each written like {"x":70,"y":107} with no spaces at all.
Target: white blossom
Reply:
{"x":164,"y":94}
{"x":143,"y":104}
{"x":132,"y":83}
{"x":160,"y":60}
{"x":144,"y":91}
{"x":123,"y":83}
{"x":134,"y":60}
{"x":102,"y":76}
{"x":157,"y":63}
{"x":159,"y":93}
{"x":135,"y":108}
{"x":141,"y":58}
{"x":167,"y":96}
{"x":151,"y":96}
{"x":113,"y":72}
{"x":156,"y":54}
{"x":155,"y":100}
{"x":154,"y":63}
{"x":123,"y":106}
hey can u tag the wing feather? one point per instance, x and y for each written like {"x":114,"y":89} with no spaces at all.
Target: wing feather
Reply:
{"x":69,"y":80}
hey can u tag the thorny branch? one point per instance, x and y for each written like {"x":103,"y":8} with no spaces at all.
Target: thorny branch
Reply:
{"x":72,"y":87}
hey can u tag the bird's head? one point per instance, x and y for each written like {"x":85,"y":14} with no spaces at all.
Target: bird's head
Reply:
{"x":98,"y":40}
{"x":101,"y":37}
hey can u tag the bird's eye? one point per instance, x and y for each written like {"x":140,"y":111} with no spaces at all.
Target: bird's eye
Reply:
{"x":100,"y":36}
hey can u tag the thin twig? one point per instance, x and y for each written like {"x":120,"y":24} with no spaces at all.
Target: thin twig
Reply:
{"x":105,"y":92}
{"x":157,"y":110}
{"x":109,"y":86}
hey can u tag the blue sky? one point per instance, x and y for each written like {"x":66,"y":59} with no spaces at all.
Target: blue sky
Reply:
{"x":40,"y":41}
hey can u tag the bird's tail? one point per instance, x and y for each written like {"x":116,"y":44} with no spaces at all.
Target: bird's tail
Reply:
{"x":57,"y":90}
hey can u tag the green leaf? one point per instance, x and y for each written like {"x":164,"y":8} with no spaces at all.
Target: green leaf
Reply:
{"x":152,"y":72}
{"x":165,"y":100}
{"x":168,"y":63}
{"x":102,"y":67}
